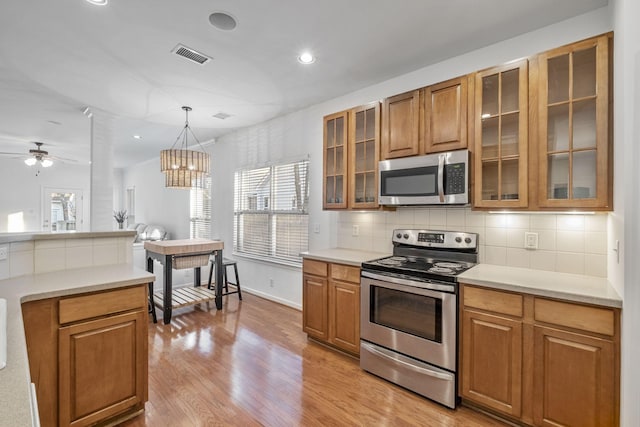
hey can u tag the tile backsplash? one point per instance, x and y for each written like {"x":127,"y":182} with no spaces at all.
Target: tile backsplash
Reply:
{"x":566,"y":243}
{"x":43,"y":256}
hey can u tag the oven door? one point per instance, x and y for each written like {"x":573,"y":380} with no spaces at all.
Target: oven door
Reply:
{"x":403,"y":316}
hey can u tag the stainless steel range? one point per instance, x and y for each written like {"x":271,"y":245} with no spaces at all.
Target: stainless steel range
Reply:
{"x":408,"y":325}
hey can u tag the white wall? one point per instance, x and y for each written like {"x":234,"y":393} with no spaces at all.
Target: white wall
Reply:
{"x":300,"y":133}
{"x":624,"y":223}
{"x":156,"y":204}
{"x":21,"y":189}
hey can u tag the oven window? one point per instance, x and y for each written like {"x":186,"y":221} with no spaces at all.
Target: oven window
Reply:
{"x":413,"y":314}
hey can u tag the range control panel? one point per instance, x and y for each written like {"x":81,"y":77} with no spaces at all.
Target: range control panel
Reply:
{"x":436,"y":238}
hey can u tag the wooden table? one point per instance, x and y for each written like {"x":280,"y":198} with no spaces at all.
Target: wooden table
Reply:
{"x":177,"y":254}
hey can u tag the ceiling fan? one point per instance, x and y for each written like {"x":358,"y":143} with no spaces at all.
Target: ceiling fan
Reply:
{"x":38,"y":155}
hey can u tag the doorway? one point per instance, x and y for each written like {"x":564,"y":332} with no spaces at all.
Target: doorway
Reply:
{"x":62,"y":209}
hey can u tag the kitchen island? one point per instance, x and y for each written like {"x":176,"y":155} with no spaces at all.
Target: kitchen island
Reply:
{"x":41,"y":267}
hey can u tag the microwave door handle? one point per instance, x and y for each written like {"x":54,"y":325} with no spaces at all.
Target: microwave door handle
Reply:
{"x":441,"y":177}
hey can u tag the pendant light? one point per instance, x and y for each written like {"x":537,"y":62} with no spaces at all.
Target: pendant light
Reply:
{"x":184,"y":168}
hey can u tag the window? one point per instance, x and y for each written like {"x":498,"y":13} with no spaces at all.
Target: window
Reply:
{"x":200,"y":211}
{"x":271,"y":212}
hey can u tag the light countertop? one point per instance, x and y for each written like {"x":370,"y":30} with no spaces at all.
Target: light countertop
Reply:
{"x":22,"y":237}
{"x":343,"y":256}
{"x":570,"y":287}
{"x":15,"y":378}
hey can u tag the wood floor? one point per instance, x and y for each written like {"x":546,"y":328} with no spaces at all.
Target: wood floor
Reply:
{"x":250,"y":364}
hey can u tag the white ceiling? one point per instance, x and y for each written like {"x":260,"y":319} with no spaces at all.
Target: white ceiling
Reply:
{"x":57,"y":57}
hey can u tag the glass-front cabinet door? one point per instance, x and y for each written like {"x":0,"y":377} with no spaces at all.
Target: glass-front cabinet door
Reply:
{"x":573,"y":145}
{"x":364,"y":149}
{"x":335,"y":161}
{"x":500,"y":126}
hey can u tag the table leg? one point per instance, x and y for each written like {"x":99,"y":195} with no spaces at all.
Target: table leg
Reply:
{"x":219,"y":275}
{"x":151,"y":302}
{"x":196,"y":276}
{"x":166,"y":303}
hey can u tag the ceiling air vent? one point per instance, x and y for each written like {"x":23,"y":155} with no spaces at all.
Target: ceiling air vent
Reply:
{"x":222,"y":115}
{"x":191,"y":54}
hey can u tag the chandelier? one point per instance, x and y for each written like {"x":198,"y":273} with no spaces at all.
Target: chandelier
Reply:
{"x":184,"y":168}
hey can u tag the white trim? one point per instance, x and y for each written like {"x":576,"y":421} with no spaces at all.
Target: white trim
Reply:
{"x":272,"y":298}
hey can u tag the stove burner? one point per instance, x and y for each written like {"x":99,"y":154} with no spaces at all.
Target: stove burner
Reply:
{"x":448,"y":265}
{"x":394,"y":260}
{"x":440,"y":270}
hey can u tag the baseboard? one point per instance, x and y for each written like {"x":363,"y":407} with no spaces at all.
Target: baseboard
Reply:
{"x":272,"y":298}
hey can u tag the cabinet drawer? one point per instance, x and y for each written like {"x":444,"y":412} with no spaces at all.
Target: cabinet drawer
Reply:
{"x":318,"y":268}
{"x":345,"y":273}
{"x":496,"y":301}
{"x":103,"y":303}
{"x":591,"y":319}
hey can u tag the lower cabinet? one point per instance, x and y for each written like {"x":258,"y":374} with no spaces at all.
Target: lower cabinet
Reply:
{"x":88,"y":355}
{"x":331,"y":304}
{"x":540,"y":361}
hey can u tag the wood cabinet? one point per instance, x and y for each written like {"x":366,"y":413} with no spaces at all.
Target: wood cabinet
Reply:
{"x":331,"y":304}
{"x":501,"y":136}
{"x":574,"y":139}
{"x":492,"y":350}
{"x":88,"y":355}
{"x":351,"y":155}
{"x":445,"y":115}
{"x":335,"y":161}
{"x":540,"y":361}
{"x":364,"y":154}
{"x":401,"y":125}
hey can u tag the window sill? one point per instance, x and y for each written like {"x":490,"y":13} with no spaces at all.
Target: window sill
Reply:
{"x":268,"y":260}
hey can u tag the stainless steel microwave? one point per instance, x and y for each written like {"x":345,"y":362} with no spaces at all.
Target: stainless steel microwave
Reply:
{"x":432,"y":179}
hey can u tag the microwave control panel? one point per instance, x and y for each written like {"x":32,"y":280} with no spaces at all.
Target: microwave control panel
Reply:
{"x":454,"y":178}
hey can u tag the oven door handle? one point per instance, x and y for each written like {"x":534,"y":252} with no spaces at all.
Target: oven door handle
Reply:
{"x":405,"y":282}
{"x":415,"y":368}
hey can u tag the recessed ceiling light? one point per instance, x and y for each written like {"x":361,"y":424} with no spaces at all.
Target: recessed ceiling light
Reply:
{"x":223,"y":21}
{"x":137,"y":136}
{"x":98,"y":2}
{"x":306,"y":58}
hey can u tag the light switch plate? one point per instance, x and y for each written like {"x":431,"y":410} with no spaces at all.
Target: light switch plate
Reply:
{"x":3,"y":253}
{"x":531,"y":240}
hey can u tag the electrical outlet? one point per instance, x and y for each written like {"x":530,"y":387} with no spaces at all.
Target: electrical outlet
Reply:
{"x":531,"y":240}
{"x":355,"y":230}
{"x":3,"y":252}
{"x":271,"y":283}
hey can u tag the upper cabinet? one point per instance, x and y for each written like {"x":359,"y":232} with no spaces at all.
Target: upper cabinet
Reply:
{"x":539,"y":130}
{"x":335,"y":161}
{"x":445,"y":116}
{"x":364,"y":149}
{"x":401,"y":125}
{"x":574,"y":147}
{"x":501,"y":140}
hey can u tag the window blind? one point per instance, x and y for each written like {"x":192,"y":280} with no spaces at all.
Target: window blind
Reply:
{"x":271,"y":211}
{"x":200,"y":211}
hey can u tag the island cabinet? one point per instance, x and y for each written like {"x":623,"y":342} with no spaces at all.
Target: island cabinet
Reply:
{"x":331,"y":304}
{"x":88,"y":355}
{"x":540,"y":361}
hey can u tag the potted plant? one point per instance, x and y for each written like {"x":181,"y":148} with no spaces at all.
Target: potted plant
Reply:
{"x":120,"y":217}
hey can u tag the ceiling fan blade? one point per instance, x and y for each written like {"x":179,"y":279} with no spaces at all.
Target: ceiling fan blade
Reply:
{"x":62,"y":159}
{"x":11,"y":154}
